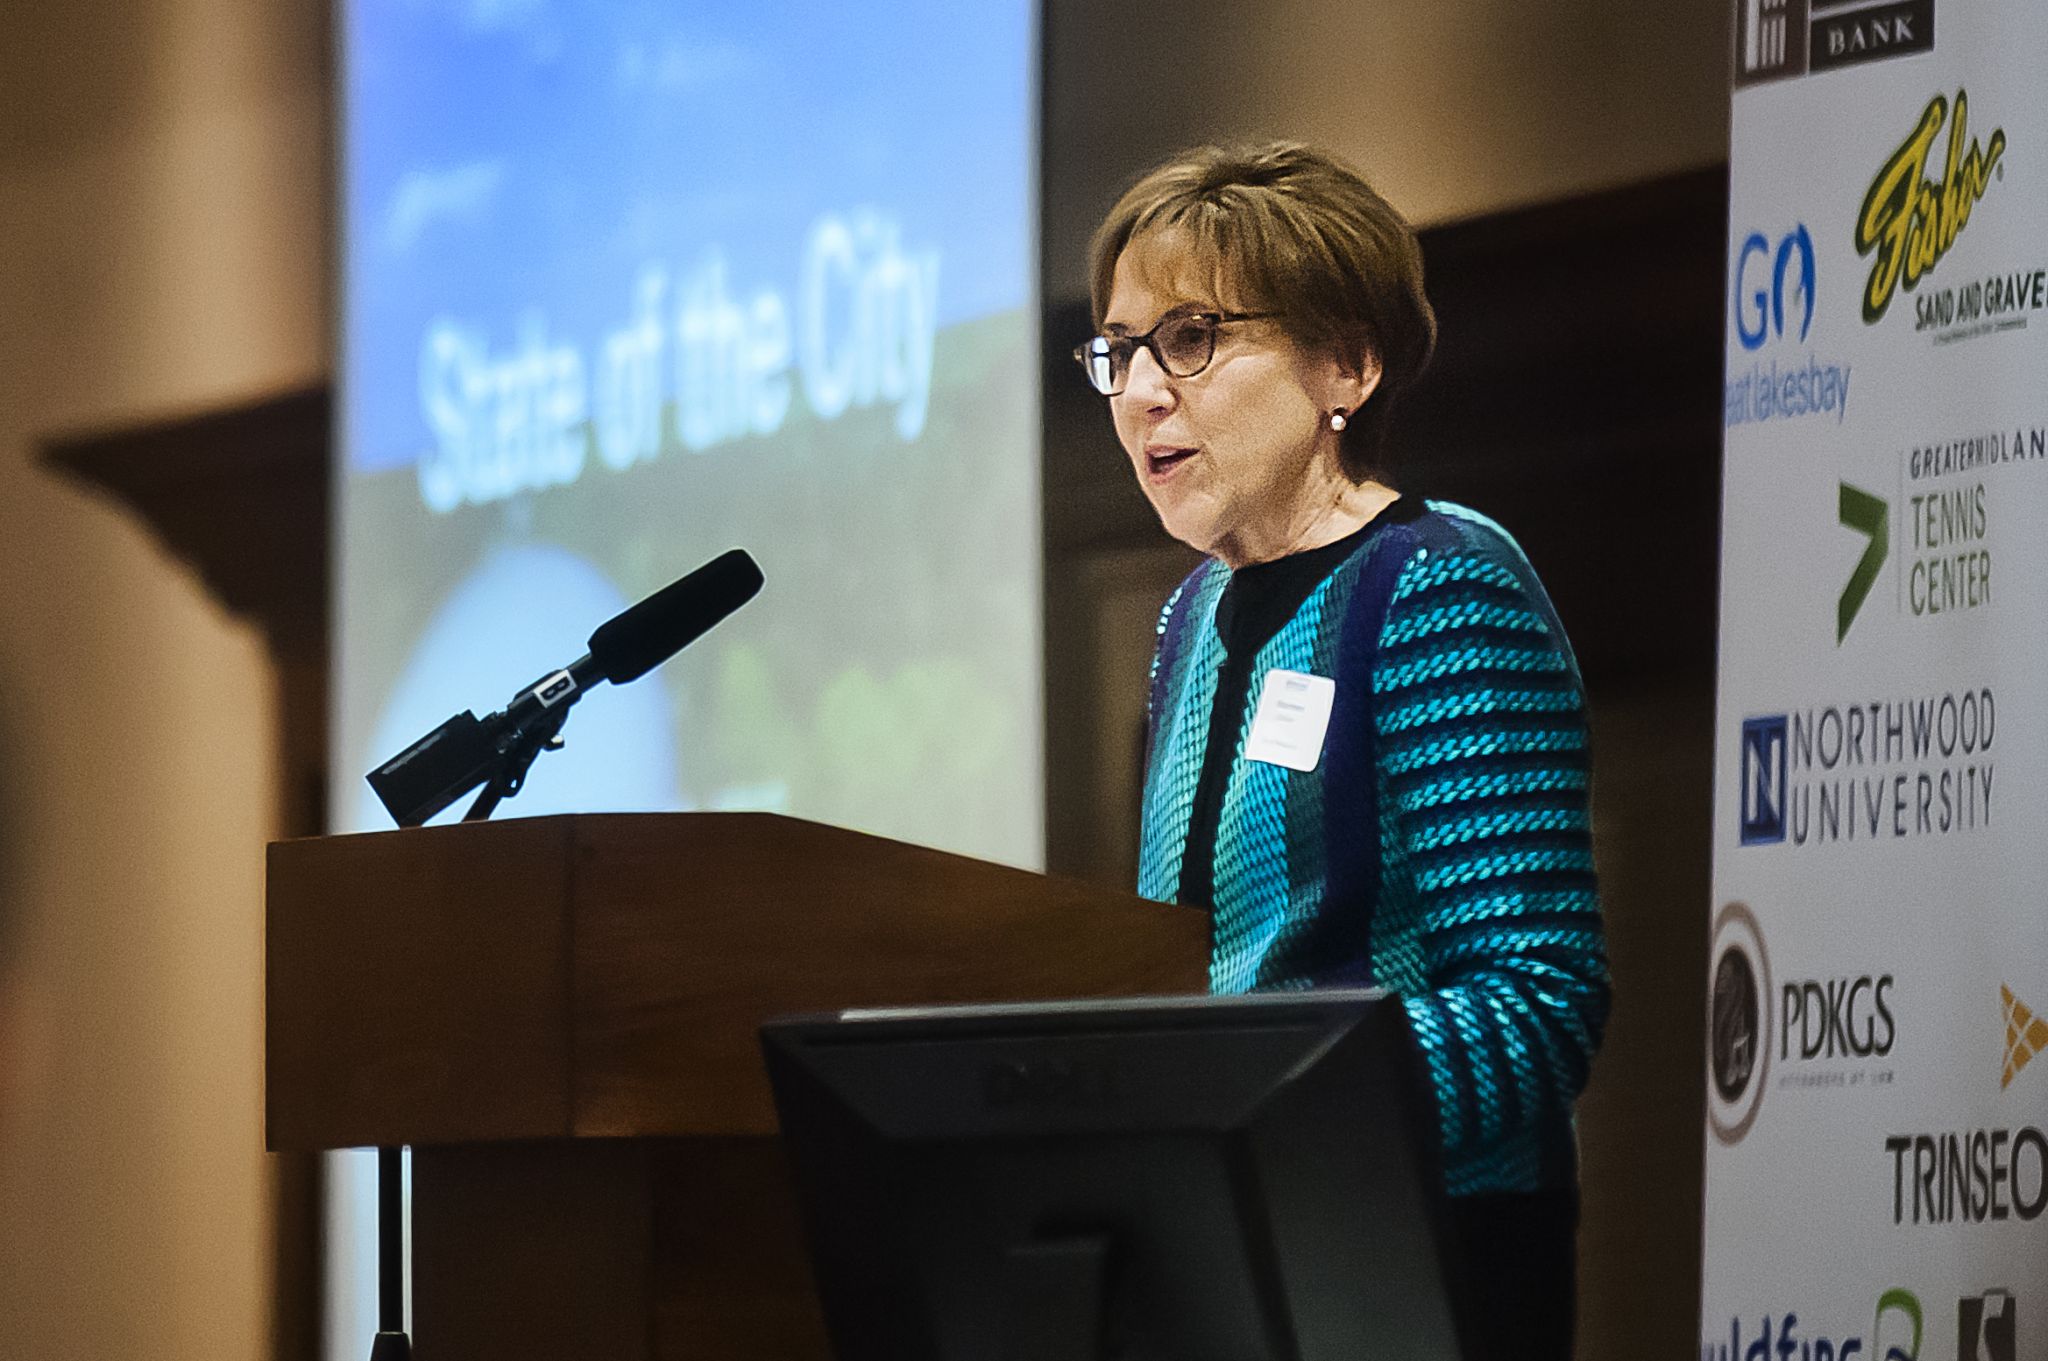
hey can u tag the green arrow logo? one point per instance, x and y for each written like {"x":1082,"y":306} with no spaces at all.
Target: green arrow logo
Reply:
{"x":1866,"y":514}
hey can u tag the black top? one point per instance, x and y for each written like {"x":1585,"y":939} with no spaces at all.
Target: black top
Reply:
{"x":1258,"y":600}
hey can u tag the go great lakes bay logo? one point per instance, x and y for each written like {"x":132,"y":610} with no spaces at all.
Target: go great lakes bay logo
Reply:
{"x":1908,"y":222}
{"x":1774,"y":308}
{"x":1820,"y":1033}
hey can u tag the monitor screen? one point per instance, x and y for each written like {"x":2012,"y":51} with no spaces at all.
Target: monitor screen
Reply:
{"x":1250,"y":1179}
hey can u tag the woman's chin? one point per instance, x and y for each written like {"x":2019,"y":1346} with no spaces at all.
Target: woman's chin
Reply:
{"x":1196,"y":530}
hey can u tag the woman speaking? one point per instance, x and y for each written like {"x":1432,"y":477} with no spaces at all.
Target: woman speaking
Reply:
{"x":1367,"y":749}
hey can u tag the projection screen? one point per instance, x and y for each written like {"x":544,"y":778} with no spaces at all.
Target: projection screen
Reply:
{"x":623,"y":285}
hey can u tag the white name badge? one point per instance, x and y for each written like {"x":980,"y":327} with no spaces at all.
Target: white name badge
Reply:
{"x":1292,"y":718}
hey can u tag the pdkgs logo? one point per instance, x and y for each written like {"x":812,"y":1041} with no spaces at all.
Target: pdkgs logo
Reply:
{"x":1822,"y":1032}
{"x":1779,"y":38}
{"x":1774,"y":303}
{"x":1738,"y":1024}
{"x":1908,"y":222}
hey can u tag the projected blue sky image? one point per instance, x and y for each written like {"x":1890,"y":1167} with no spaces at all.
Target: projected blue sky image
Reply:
{"x":517,"y":168}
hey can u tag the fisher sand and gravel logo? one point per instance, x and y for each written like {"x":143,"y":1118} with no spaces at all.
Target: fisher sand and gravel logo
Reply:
{"x":1776,"y":39}
{"x":1908,"y":222}
{"x":2005,"y":300}
{"x":1774,"y":309}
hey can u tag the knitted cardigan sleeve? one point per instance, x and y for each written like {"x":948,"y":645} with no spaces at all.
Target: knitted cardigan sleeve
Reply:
{"x":1484,"y":759}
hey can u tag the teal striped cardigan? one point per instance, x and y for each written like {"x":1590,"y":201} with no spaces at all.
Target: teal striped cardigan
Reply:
{"x":1442,"y":846}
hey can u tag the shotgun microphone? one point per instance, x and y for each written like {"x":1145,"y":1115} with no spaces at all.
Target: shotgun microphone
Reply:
{"x":466,"y":751}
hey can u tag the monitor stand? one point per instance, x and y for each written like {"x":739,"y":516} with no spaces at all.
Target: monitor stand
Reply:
{"x":1055,"y":1291}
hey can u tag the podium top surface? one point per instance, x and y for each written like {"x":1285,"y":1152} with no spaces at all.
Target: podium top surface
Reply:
{"x":604,"y":975}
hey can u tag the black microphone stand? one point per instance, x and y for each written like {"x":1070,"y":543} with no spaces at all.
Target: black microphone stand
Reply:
{"x":515,"y":757}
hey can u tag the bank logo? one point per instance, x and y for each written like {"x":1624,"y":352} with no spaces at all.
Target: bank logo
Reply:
{"x":2026,"y":1036}
{"x":1987,"y":1327}
{"x":1908,"y":222}
{"x":1775,"y":288}
{"x":1871,"y":517}
{"x":1763,"y":779}
{"x":1739,"y":1024}
{"x":1775,"y":39}
{"x":1770,"y":39}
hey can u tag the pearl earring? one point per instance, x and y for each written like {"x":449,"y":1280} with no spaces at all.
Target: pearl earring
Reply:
{"x":1337,"y":419}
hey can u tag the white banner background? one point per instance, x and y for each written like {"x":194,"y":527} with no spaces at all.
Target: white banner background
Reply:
{"x":1815,"y":1226}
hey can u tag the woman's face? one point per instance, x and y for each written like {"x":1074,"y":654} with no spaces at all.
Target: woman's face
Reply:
{"x":1235,"y":458}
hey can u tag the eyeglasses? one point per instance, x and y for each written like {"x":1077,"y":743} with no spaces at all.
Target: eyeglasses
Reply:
{"x":1182,"y":342}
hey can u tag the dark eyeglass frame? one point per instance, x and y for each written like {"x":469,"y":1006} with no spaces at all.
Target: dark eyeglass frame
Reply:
{"x":1117,"y":351}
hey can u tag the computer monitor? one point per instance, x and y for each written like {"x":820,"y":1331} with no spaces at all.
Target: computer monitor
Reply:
{"x":1186,"y":1179}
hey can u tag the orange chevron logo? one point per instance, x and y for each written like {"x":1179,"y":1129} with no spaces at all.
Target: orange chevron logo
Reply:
{"x":2026,"y":1035}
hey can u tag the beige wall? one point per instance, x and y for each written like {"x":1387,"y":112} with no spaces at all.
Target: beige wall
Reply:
{"x":161,"y":249}
{"x":163,"y":209}
{"x":1452,"y":107}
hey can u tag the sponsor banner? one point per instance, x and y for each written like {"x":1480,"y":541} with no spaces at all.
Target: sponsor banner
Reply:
{"x":1877,"y":993}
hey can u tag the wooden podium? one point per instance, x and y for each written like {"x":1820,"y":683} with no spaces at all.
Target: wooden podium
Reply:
{"x":558,"y":1015}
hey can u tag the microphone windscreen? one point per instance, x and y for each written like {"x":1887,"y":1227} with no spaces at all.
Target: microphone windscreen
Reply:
{"x":636,"y":640}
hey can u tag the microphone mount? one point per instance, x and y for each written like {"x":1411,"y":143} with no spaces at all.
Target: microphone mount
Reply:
{"x":498,"y":751}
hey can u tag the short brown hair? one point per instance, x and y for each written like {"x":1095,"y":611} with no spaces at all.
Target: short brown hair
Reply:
{"x":1291,"y":230}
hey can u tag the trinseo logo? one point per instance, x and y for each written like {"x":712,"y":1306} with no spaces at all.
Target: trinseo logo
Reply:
{"x":1779,"y":38}
{"x":1774,"y":303}
{"x":1895,"y":1335}
{"x":1908,"y":222}
{"x":2026,"y":1036}
{"x":1820,"y":1032}
{"x":1871,"y":771}
{"x":1972,"y":1176}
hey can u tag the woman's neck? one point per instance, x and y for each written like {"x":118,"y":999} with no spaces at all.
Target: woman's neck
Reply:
{"x":1329,"y":509}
